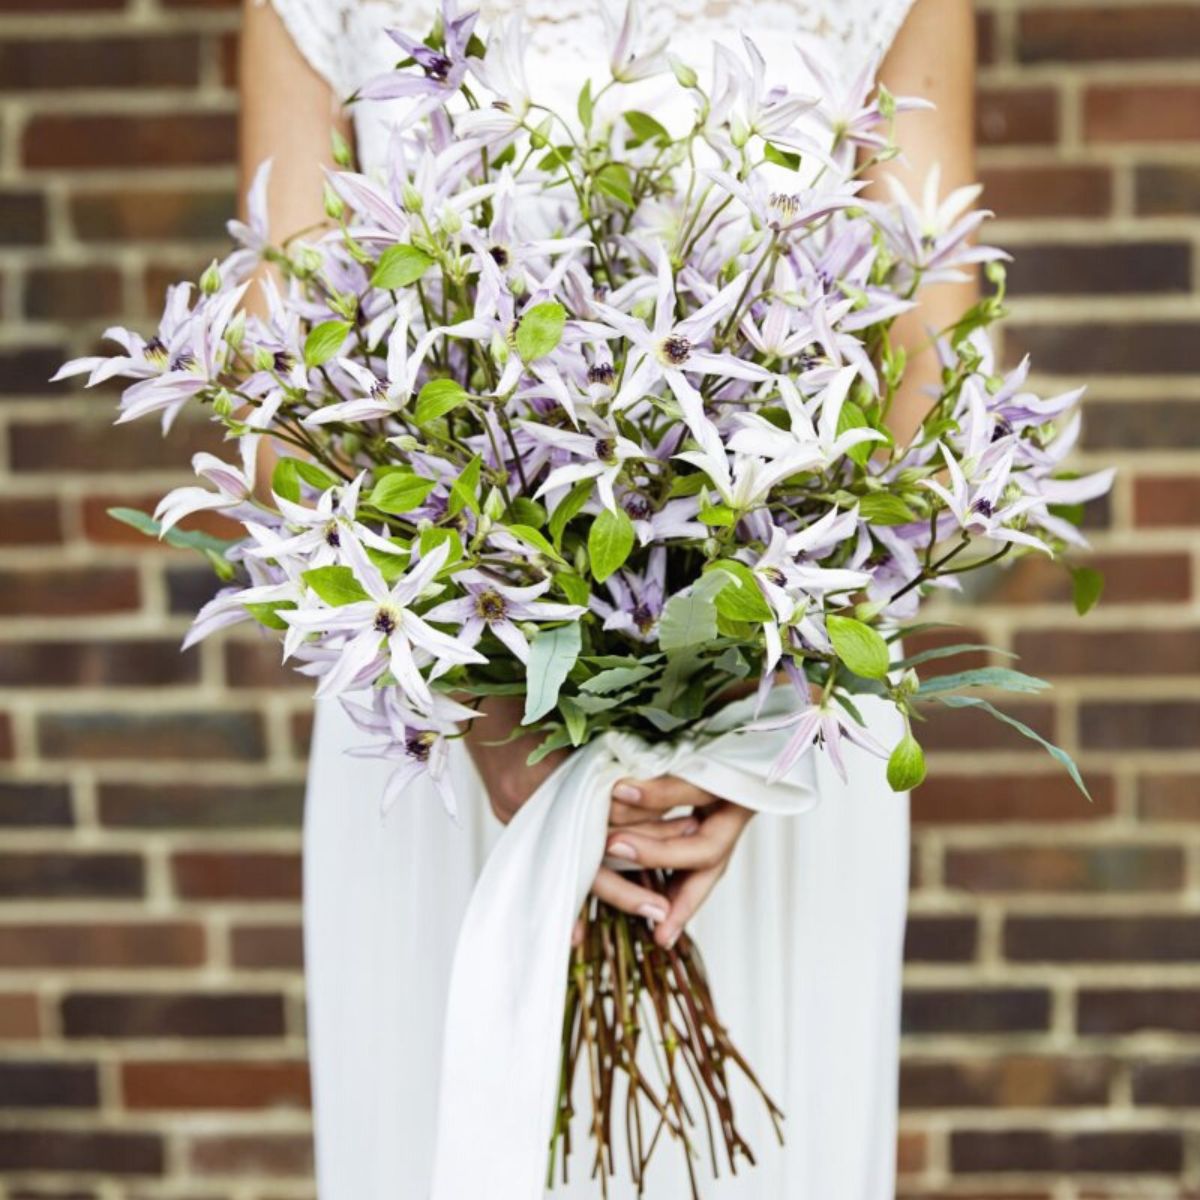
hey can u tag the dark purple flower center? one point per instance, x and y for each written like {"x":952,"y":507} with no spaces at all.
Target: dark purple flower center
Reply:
{"x":643,"y":616}
{"x":185,"y":360}
{"x":637,"y":506}
{"x":677,"y":349}
{"x":155,"y":350}
{"x":385,"y":622}
{"x":436,"y":66}
{"x":604,"y":448}
{"x":283,"y":362}
{"x":773,"y":575}
{"x":1002,"y":429}
{"x":499,"y":255}
{"x":418,"y":743}
{"x":601,"y":373}
{"x":491,"y":606}
{"x":983,"y":506}
{"x":332,"y":536}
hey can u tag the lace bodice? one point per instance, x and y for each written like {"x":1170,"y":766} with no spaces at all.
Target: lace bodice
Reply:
{"x":343,"y":39}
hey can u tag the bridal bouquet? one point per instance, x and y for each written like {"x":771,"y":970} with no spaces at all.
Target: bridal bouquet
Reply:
{"x":591,"y":407}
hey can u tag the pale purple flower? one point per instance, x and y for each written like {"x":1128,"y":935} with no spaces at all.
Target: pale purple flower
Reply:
{"x":600,"y":454}
{"x":637,"y":599}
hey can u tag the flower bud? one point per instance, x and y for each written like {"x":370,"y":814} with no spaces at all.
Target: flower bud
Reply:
{"x":263,"y":360}
{"x":351,"y":444}
{"x":307,"y":260}
{"x":686,"y":76}
{"x":210,"y":281}
{"x":739,"y":131}
{"x":452,"y":223}
{"x":493,"y":506}
{"x":235,"y":331}
{"x":413,"y":200}
{"x":343,"y":156}
{"x":223,"y":404}
{"x":405,"y":442}
{"x":335,"y":209}
{"x":499,"y":349}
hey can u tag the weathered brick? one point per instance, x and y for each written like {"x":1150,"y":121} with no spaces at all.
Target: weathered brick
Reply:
{"x":1016,"y":116}
{"x":1113,"y":1151}
{"x":53,"y":874}
{"x":1105,"y":347}
{"x":1099,"y":268}
{"x":263,"y":1154}
{"x":141,"y":663}
{"x":1114,"y":938}
{"x":1137,"y":1010}
{"x":192,"y":1084}
{"x":1047,"y":191}
{"x":973,"y":729}
{"x":1066,"y":869}
{"x":196,"y":806}
{"x":983,"y":799}
{"x":1147,"y":725}
{"x":1152,"y":578}
{"x":22,"y":218}
{"x":1120,"y":112}
{"x":1170,"y":1084}
{"x":72,"y":293}
{"x":1129,"y":652}
{"x":20,"y":1017}
{"x":1108,"y":32}
{"x":26,"y":371}
{"x":975,"y":1010}
{"x":205,"y":736}
{"x":36,"y":805}
{"x":1166,"y":500}
{"x":29,"y":521}
{"x":1125,"y":426}
{"x":109,"y":1153}
{"x":98,"y":445}
{"x":69,"y":63}
{"x":215,"y":875}
{"x":1019,"y":1081}
{"x":1169,"y":797}
{"x":940,"y":939}
{"x":267,"y":947}
{"x":151,"y":214}
{"x":48,"y":1085}
{"x":155,"y":1015}
{"x":83,"y":946}
{"x":257,"y":665}
{"x":105,"y":142}
{"x":103,"y":529}
{"x":68,"y":591}
{"x":1167,"y":189}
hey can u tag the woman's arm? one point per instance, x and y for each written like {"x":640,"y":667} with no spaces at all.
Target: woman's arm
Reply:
{"x":933,"y":57}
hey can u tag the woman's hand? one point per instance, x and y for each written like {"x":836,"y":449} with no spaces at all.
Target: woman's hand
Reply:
{"x":696,"y":848}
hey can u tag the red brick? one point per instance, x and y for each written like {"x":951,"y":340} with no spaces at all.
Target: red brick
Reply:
{"x":26,"y":371}
{"x":107,"y":1153}
{"x":1162,"y":501}
{"x":1016,"y":116}
{"x":72,"y":293}
{"x":1047,"y":191}
{"x":1142,"y":112}
{"x":974,"y":729}
{"x":1103,"y":348}
{"x":20,"y":1019}
{"x":204,"y":875}
{"x":99,"y":446}
{"x":6,"y":736}
{"x":974,"y":799}
{"x":107,"y":142}
{"x":151,"y":214}
{"x":1167,"y":189}
{"x":267,"y":947}
{"x":1153,"y":578}
{"x":70,"y":63}
{"x":912,"y":1152}
{"x":156,"y":1015}
{"x":1066,"y":869}
{"x":1112,"y":1151}
{"x":35,"y":805}
{"x":1126,"y":426}
{"x":301,"y":730}
{"x":940,"y":939}
{"x":1169,"y":797}
{"x":84,"y":946}
{"x":1170,"y":1084}
{"x":48,"y":1085}
{"x":105,"y":530}
{"x":194,"y":1084}
{"x":1137,"y":1010}
{"x":197,"y":806}
{"x":96,"y":664}
{"x":29,"y":521}
{"x":1127,"y":652}
{"x":22,"y":218}
{"x":975,"y":1010}
{"x":1108,"y":32}
{"x":61,"y":875}
{"x":45,"y":6}
{"x":1099,"y":268}
{"x":264,"y":1154}
{"x":1149,"y":725}
{"x":1102,"y":939}
{"x":257,"y":665}
{"x":1018,"y":1081}
{"x":68,"y":591}
{"x":202,"y":736}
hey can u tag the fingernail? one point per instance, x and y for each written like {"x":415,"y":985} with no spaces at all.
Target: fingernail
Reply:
{"x":623,"y":850}
{"x":652,"y":912}
{"x":627,"y":792}
{"x":673,"y":939}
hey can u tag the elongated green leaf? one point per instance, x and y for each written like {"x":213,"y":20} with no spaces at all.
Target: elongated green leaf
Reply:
{"x":574,"y":587}
{"x":743,"y":601}
{"x":609,"y":542}
{"x":183,"y":539}
{"x":584,"y":104}
{"x":390,"y":566}
{"x":781,"y":157}
{"x":335,"y":585}
{"x":859,"y":646}
{"x":531,"y":537}
{"x":528,"y":512}
{"x":399,"y":267}
{"x":690,"y":618}
{"x":1088,"y":586}
{"x":464,"y":492}
{"x":576,"y":720}
{"x":646,"y":129}
{"x":615,"y":679}
{"x":906,"y":766}
{"x":570,"y":506}
{"x":915,"y":660}
{"x":437,"y":398}
{"x":324,"y":341}
{"x":268,"y":614}
{"x":993,"y":677}
{"x":1055,"y":752}
{"x":285,"y":480}
{"x":558,"y":739}
{"x":661,"y":719}
{"x":540,"y":330}
{"x":613,"y":180}
{"x":552,"y":654}
{"x":433,"y":537}
{"x":882,"y":508}
{"x":400,"y":492}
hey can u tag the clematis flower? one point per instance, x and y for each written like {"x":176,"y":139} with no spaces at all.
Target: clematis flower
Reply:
{"x":785,"y":212}
{"x":637,"y":599}
{"x":628,"y":60}
{"x":503,"y":73}
{"x":600,"y":454}
{"x":490,"y":603}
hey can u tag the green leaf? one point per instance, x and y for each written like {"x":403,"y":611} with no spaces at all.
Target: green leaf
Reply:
{"x":610,"y":540}
{"x":615,"y":679}
{"x":662,"y":720}
{"x":556,"y":157}
{"x":1055,"y":752}
{"x":285,"y":480}
{"x":993,"y":677}
{"x":540,"y":330}
{"x":531,"y":537}
{"x":613,"y":180}
{"x":313,"y":475}
{"x":646,"y":129}
{"x":1088,"y":585}
{"x":268,"y":614}
{"x":552,"y":654}
{"x":716,"y":514}
{"x":687,"y":485}
{"x":324,"y":342}
{"x":559,"y":739}
{"x":859,"y":646}
{"x":390,"y":566}
{"x":915,"y":660}
{"x":570,"y":506}
{"x":400,"y":492}
{"x":335,"y":585}
{"x":882,"y":508}
{"x":584,"y":104}
{"x":528,"y":512}
{"x":853,"y":417}
{"x":906,"y":766}
{"x":433,"y":537}
{"x":744,"y":601}
{"x":781,"y":157}
{"x":575,"y":718}
{"x":437,"y":398}
{"x":464,"y":492}
{"x":183,"y":539}
{"x":690,"y":618}
{"x":574,"y":587}
{"x":399,"y":267}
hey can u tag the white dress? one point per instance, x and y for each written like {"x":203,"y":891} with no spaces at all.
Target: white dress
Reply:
{"x":803,"y":937}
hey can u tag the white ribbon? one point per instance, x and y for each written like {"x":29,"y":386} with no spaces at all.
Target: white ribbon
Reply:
{"x":500,"y":1060}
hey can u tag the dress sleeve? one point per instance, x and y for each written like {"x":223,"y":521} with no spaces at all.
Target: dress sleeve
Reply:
{"x":320,"y":30}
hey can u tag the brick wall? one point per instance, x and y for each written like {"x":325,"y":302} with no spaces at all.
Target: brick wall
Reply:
{"x":151,"y":1004}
